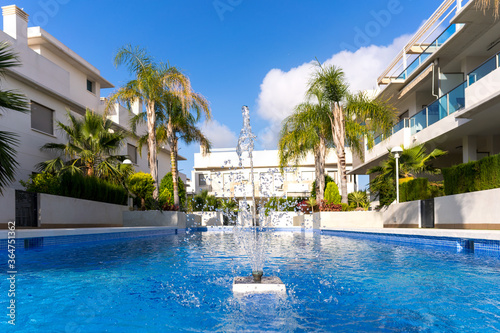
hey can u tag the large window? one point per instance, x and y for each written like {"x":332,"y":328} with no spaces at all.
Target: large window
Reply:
{"x":42,"y":118}
{"x":132,"y":153}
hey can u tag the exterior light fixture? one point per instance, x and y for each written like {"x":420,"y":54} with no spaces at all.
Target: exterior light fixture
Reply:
{"x":397,"y":153}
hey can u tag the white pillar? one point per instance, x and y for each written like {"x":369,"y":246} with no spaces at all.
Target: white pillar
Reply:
{"x":469,"y":150}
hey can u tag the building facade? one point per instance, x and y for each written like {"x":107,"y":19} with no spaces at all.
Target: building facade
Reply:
{"x":220,"y":173}
{"x":445,"y":86}
{"x":56,"y":80}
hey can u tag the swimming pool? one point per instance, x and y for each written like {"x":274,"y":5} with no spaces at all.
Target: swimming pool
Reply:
{"x":183,"y":283}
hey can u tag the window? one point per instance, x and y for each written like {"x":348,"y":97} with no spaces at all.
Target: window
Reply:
{"x":42,"y":118}
{"x":132,"y":153}
{"x":202,"y":180}
{"x":91,"y":86}
{"x":307,"y":175}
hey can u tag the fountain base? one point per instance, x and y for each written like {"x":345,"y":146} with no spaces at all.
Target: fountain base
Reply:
{"x":268,"y":285}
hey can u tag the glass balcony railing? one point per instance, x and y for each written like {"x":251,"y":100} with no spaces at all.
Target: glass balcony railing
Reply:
{"x":403,"y":123}
{"x":449,"y":103}
{"x":487,"y":67}
{"x":433,"y":47}
{"x":446,"y":105}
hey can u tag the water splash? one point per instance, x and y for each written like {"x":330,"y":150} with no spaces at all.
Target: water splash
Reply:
{"x":246,"y":230}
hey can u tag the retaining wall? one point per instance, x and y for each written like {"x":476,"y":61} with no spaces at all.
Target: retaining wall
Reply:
{"x":474,"y":210}
{"x":154,"y":218}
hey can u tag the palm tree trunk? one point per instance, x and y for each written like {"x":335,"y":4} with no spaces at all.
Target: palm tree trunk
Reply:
{"x":319,"y":165}
{"x":173,"y":162}
{"x":338,"y":132}
{"x":153,"y":166}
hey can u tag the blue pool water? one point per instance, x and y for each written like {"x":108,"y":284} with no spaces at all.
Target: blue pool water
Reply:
{"x":182,"y":283}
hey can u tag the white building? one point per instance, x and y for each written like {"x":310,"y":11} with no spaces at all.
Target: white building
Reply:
{"x":219,"y":173}
{"x":55,"y":79}
{"x":445,"y":86}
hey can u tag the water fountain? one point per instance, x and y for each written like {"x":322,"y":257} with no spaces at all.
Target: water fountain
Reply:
{"x":248,"y":231}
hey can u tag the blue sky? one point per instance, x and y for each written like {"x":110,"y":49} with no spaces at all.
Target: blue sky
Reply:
{"x":238,"y":52}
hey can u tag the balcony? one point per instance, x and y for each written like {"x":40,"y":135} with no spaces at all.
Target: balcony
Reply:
{"x":403,"y":123}
{"x":443,"y":107}
{"x":447,"y":104}
{"x":433,"y":47}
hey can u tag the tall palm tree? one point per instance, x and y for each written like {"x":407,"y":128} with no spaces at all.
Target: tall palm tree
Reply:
{"x":352,"y":117}
{"x":172,"y":126}
{"x":12,"y":100}
{"x":152,"y":83}
{"x":180,"y":119}
{"x":413,"y":161}
{"x":90,"y":149}
{"x":306,"y":130}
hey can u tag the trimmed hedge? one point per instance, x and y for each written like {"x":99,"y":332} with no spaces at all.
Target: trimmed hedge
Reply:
{"x":473,"y":176}
{"x":77,"y":186}
{"x":415,"y":189}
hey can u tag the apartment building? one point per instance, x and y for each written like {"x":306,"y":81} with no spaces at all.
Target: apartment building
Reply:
{"x":445,"y":86}
{"x":56,"y":80}
{"x":221,"y":175}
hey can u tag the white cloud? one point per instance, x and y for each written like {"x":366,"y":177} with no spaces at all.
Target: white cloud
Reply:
{"x":219,"y":134}
{"x":281,"y":91}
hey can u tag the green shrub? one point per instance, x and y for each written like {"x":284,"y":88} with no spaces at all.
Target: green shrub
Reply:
{"x":328,"y":179}
{"x":167,"y":183}
{"x":142,"y":186}
{"x":345,"y":207}
{"x":282,"y":205}
{"x":473,"y":176}
{"x":203,"y":202}
{"x":332,"y":194}
{"x":358,"y":199}
{"x":436,"y":189}
{"x":43,"y":183}
{"x":415,"y":189}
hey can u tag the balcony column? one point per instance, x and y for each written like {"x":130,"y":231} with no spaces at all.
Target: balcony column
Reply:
{"x":459,"y":5}
{"x":469,"y":150}
{"x":493,"y":144}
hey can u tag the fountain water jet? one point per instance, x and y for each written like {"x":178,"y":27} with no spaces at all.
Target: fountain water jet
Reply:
{"x":248,"y":231}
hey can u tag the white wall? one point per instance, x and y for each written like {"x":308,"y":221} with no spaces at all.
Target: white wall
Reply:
{"x":57,"y":211}
{"x":478,"y":210}
{"x":340,"y":220}
{"x":209,"y":218}
{"x":402,"y":215}
{"x":154,"y":218}
{"x":7,"y":205}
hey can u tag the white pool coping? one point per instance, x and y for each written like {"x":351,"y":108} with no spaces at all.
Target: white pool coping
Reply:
{"x":452,"y":233}
{"x":32,"y":233}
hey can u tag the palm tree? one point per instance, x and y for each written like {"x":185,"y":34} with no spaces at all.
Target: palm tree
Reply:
{"x":9,"y":99}
{"x":90,"y":149}
{"x":174,"y":124}
{"x":352,"y":117}
{"x":180,"y":119}
{"x":413,"y":161}
{"x":485,"y":4}
{"x":151,"y":86}
{"x":306,"y":130}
